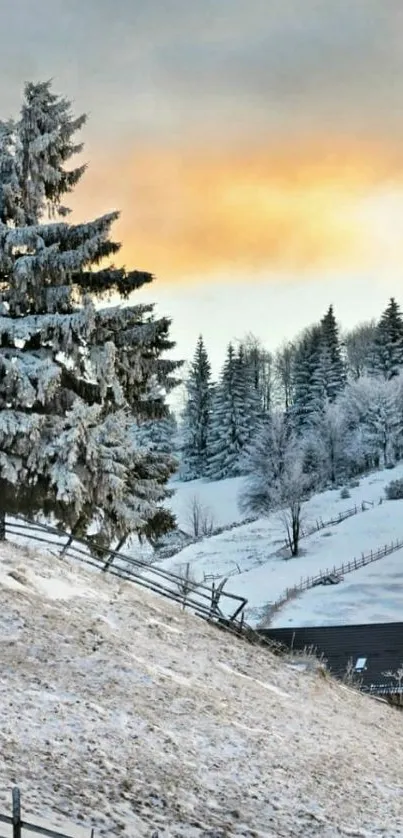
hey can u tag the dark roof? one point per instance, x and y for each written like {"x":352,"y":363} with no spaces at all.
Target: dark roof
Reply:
{"x":378,"y":645}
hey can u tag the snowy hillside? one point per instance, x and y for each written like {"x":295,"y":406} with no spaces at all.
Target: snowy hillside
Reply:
{"x":220,"y":498}
{"x":120,"y":711}
{"x":253,"y":558}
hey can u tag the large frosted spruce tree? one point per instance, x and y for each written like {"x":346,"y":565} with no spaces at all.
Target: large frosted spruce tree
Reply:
{"x":77,"y":377}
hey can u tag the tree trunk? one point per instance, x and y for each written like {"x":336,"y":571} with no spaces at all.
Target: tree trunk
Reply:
{"x":2,"y":526}
{"x":112,"y":556}
{"x":71,"y":537}
{"x":296,"y":513}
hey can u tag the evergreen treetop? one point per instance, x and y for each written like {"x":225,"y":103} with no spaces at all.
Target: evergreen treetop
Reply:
{"x":389,"y":341}
{"x":332,"y":362}
{"x":197,"y":415}
{"x":232,"y":422}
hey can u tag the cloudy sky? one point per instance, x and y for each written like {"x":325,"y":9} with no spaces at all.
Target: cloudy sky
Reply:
{"x":255,"y":148}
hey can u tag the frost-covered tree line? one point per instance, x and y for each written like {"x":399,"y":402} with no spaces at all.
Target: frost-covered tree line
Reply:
{"x":83,"y":372}
{"x":335,"y":402}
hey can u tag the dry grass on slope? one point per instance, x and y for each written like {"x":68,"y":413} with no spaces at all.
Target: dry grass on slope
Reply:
{"x":118,"y":708}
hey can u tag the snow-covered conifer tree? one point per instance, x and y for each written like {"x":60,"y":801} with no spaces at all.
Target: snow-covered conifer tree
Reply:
{"x":159,"y":435}
{"x":197,"y":415}
{"x":332,"y":364}
{"x":10,"y":191}
{"x":75,"y":378}
{"x":254,"y":401}
{"x":389,"y":342}
{"x":309,"y":383}
{"x":230,"y":425}
{"x":318,"y":371}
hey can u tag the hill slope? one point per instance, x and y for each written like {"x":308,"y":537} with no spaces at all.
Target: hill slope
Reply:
{"x":114,"y":704}
{"x":251,"y":554}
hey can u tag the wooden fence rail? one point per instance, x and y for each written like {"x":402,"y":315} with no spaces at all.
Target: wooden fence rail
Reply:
{"x":202,"y":599}
{"x":320,"y":524}
{"x":340,"y":570}
{"x":20,"y":825}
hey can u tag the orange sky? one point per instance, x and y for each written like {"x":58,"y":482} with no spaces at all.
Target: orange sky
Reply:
{"x":254,"y":149}
{"x":298,"y":207}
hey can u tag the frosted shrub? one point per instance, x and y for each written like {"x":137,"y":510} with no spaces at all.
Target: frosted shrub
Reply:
{"x":276,"y":479}
{"x":344,"y":494}
{"x":395,"y":490}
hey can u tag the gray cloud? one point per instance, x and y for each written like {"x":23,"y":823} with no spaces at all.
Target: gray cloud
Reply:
{"x":174,"y":65}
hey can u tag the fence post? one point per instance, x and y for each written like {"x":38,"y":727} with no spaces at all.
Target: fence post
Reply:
{"x":16,"y":812}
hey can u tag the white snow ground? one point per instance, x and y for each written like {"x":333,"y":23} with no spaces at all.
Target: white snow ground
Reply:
{"x":118,"y":710}
{"x":372,"y":594}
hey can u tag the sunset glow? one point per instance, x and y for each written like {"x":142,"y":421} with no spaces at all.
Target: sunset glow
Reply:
{"x":253,"y":149}
{"x":190,"y":212}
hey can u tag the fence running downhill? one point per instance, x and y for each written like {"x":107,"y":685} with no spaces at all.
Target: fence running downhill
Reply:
{"x":337,"y":571}
{"x":203,"y":600}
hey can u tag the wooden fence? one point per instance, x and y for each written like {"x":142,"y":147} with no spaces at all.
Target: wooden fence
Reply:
{"x":338,"y":571}
{"x":320,"y":524}
{"x":20,"y":825}
{"x":167,"y":552}
{"x":204,"y":600}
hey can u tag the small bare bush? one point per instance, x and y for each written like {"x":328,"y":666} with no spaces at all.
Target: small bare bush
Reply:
{"x":397,"y":676}
{"x":396,"y":698}
{"x":187,"y":582}
{"x":199,"y":518}
{"x":351,"y":678}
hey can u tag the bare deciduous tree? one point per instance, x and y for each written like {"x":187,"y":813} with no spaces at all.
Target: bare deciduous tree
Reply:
{"x":199,"y":518}
{"x":291,"y":493}
{"x":283,"y":372}
{"x":360,"y":348}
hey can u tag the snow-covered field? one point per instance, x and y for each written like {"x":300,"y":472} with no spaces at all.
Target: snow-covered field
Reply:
{"x":249,"y":554}
{"x":218,"y":498}
{"x":118,"y":710}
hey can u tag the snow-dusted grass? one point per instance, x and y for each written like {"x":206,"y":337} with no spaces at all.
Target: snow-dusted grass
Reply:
{"x":121,"y":711}
{"x":248,"y":554}
{"x":220,"y":498}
